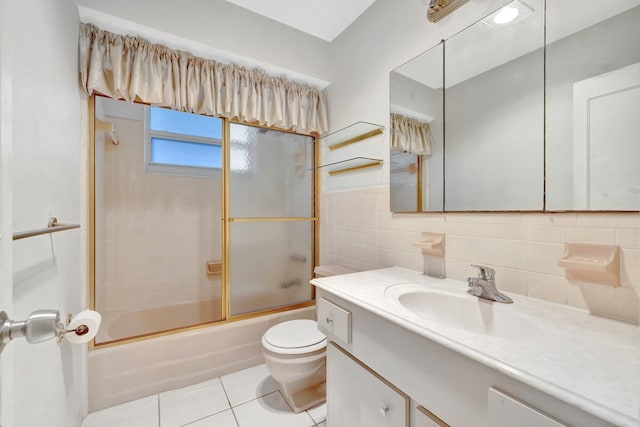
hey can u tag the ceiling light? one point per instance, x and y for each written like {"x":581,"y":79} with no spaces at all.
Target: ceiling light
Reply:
{"x":506,"y":15}
{"x":513,"y":12}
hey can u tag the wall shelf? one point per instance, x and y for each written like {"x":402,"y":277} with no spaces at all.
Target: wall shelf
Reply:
{"x":352,"y":165}
{"x":351,"y":134}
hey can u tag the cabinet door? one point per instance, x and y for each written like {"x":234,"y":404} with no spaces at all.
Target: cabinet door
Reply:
{"x":358,"y":397}
{"x":505,"y":411}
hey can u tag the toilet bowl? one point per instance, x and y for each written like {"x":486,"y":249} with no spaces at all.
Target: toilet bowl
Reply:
{"x":294,"y":352}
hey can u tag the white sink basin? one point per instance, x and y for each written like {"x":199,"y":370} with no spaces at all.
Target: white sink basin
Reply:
{"x":456,"y":309}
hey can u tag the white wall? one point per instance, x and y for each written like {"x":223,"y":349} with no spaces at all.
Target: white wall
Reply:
{"x":49,"y":386}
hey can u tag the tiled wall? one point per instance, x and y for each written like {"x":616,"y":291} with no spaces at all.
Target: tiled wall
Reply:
{"x":159,"y":230}
{"x":357,"y":230}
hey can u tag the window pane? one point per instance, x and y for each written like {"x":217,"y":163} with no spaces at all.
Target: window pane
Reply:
{"x":165,"y":120}
{"x":184,"y":153}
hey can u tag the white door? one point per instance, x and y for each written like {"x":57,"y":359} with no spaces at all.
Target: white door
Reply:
{"x":6,"y":207}
{"x":606,"y":141}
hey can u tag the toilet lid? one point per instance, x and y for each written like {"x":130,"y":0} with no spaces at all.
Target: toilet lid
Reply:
{"x":294,"y":334}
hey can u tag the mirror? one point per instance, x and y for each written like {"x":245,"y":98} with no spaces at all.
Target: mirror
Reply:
{"x":494,"y":109}
{"x":593,"y":105}
{"x":416,"y":94}
{"x":496,"y":154}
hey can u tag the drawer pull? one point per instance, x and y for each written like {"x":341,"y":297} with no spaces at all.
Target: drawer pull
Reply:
{"x":433,"y":417}
{"x":384,"y":410}
{"x":329,"y":320}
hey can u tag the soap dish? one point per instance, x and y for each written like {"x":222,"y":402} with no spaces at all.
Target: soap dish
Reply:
{"x":590,"y":262}
{"x":431,"y":244}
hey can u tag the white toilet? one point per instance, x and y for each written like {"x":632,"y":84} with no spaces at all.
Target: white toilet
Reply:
{"x":294,"y":352}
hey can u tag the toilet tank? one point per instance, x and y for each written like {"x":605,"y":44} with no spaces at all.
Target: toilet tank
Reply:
{"x":331,"y":270}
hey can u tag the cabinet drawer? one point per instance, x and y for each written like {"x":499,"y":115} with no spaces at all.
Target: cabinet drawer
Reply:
{"x":506,"y":411}
{"x":334,"y":321}
{"x":356,"y":396}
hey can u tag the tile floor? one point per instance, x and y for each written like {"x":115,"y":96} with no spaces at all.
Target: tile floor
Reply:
{"x":248,"y":398}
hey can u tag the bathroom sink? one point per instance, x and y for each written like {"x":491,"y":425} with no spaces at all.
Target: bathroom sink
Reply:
{"x":456,"y":309}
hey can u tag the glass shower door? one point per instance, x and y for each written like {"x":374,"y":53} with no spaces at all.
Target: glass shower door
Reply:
{"x":271,"y":216}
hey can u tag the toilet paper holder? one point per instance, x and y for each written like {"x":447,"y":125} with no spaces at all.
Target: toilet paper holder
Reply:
{"x":41,"y":325}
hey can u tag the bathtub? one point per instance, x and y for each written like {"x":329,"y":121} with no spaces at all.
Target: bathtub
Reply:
{"x":130,"y":371}
{"x":132,"y":323}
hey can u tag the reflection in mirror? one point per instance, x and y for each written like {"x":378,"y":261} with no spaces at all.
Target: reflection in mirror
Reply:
{"x":416,"y":93}
{"x":593,"y":105}
{"x":494,"y":73}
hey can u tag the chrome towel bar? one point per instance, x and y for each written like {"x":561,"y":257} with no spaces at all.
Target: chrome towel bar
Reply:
{"x":52,"y":227}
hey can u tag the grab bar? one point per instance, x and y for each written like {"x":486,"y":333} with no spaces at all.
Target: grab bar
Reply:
{"x":52,"y":227}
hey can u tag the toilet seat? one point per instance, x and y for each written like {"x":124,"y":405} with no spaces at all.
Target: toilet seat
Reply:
{"x":294,"y":337}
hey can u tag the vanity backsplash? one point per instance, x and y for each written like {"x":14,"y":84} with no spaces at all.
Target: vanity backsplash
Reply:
{"x":358,"y":231}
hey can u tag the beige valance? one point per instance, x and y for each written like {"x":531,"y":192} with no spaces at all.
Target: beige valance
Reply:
{"x":410,"y":135}
{"x":130,"y":67}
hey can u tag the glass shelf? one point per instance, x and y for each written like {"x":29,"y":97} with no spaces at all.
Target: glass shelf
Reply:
{"x":351,"y":134}
{"x":352,"y":165}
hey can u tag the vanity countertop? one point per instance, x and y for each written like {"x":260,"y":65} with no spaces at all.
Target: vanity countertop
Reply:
{"x":587,"y":361}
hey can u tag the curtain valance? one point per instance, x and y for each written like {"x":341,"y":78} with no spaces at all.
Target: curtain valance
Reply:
{"x":130,"y":67}
{"x":410,"y":135}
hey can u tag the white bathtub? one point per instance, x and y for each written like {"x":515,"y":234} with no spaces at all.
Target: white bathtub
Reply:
{"x":126,"y":324}
{"x":126,"y":372}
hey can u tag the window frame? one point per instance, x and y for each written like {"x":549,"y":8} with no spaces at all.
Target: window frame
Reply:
{"x":173,"y":169}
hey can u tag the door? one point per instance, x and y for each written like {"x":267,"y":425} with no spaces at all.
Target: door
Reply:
{"x":6,"y":263}
{"x":605,"y":137}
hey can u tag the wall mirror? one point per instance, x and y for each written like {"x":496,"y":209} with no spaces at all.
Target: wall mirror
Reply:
{"x":417,"y":149}
{"x":593,"y":105}
{"x":496,"y":154}
{"x":494,"y":110}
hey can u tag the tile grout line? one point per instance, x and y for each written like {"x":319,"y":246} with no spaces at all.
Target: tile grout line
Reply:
{"x":158,"y":400}
{"x":229,"y":402}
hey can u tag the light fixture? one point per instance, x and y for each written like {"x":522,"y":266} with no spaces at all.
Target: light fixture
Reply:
{"x":509,"y":14}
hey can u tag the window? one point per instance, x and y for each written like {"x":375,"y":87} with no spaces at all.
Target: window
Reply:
{"x":182,"y":143}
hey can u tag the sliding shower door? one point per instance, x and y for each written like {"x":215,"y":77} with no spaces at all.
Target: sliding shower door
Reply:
{"x":270,"y":218}
{"x":158,"y":211}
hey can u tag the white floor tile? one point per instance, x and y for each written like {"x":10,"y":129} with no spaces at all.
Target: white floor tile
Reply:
{"x":248,"y":384}
{"x":323,"y":424}
{"x":185,"y":405}
{"x":137,"y":413}
{"x":318,"y":413}
{"x":221,"y":419}
{"x":270,"y":411}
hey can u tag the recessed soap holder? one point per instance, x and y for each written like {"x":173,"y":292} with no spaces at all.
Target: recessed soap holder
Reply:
{"x":590,"y":262}
{"x":431,"y":244}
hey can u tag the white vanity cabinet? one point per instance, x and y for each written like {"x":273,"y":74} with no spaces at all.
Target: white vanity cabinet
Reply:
{"x":360,"y":398}
{"x":384,"y":366}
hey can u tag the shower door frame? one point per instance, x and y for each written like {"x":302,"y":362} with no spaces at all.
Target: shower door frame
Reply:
{"x":226,"y":225}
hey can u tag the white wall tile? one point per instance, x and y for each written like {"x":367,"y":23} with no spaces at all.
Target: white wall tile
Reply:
{"x":591,"y":235}
{"x":524,"y":248}
{"x":546,"y":233}
{"x":546,"y":287}
{"x":510,"y":253}
{"x":628,"y":238}
{"x":543,"y":258}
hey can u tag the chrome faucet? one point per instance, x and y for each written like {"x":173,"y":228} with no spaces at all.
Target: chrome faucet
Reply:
{"x":484,"y":286}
